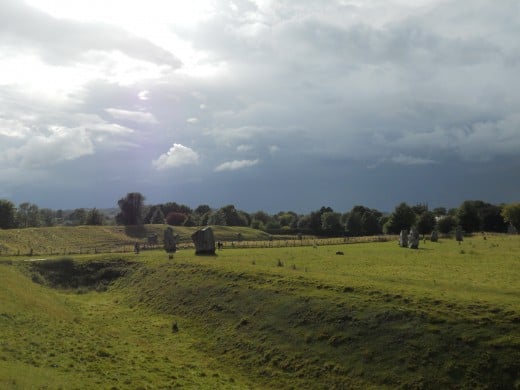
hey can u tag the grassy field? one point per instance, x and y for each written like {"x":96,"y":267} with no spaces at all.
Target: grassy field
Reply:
{"x":379,"y":316}
{"x":65,"y":240}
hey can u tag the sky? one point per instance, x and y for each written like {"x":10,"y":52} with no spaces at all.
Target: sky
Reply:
{"x":266,"y":105}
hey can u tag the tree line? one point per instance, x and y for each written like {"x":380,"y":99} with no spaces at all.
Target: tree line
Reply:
{"x":471,"y":216}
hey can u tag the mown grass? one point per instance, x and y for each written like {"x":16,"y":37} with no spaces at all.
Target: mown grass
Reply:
{"x":379,"y":316}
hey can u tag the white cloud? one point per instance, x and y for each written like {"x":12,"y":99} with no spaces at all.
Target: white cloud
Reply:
{"x":236,"y":164}
{"x":144,"y":95}
{"x":273,"y":149}
{"x":59,"y":144}
{"x":134,"y":116}
{"x":192,"y":120}
{"x":244,"y":148}
{"x":177,"y":156}
{"x":402,"y":159}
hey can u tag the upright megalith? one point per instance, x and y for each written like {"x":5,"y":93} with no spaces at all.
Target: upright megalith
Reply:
{"x":403,"y":239}
{"x":204,"y":241}
{"x":413,"y":239}
{"x":170,"y":241}
{"x":459,"y":234}
{"x":435,"y":236}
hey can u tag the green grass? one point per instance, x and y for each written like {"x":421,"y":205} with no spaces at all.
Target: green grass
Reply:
{"x":380,"y":316}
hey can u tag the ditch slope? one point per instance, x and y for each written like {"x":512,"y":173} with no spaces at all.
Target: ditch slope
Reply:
{"x":295,"y":332}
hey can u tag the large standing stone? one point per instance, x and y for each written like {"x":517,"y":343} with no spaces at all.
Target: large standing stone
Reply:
{"x":403,"y":239}
{"x":435,"y":236}
{"x":413,"y":239}
{"x":204,"y":241}
{"x":459,"y":235}
{"x":170,"y":243}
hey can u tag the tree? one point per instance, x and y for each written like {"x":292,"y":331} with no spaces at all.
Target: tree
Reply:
{"x":175,"y":219}
{"x":131,"y":209}
{"x":330,"y":223}
{"x":468,"y":217}
{"x":47,"y":217}
{"x":440,"y":211}
{"x":370,"y":223}
{"x":260,"y":219}
{"x":202,"y":209}
{"x":511,"y":214}
{"x":420,"y":208}
{"x":426,"y":222}
{"x":353,"y":224}
{"x":287,"y":219}
{"x":446,"y":224}
{"x":403,"y":217}
{"x":217,"y":218}
{"x":233,"y":217}
{"x":77,"y":217}
{"x":28,"y":215}
{"x":7,"y":214}
{"x":157,"y":216}
{"x":491,"y":219}
{"x":94,"y":217}
{"x":315,"y":224}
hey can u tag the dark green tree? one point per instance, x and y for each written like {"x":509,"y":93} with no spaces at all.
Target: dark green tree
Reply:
{"x":511,"y":214}
{"x":77,"y":217}
{"x":403,"y":217}
{"x":47,"y":217}
{"x":353,"y":224}
{"x":331,"y":224}
{"x":94,"y":217}
{"x":202,"y":209}
{"x":491,"y":219}
{"x":157,"y":216}
{"x":7,"y":214}
{"x":131,"y":207}
{"x":28,"y":215}
{"x":217,"y":218}
{"x":468,"y":215}
{"x":426,"y":222}
{"x":233,"y":217}
{"x":446,"y":224}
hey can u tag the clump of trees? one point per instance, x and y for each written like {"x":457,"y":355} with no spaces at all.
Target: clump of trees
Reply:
{"x":471,"y":216}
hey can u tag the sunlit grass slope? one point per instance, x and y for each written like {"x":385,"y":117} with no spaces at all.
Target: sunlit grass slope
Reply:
{"x":53,"y":340}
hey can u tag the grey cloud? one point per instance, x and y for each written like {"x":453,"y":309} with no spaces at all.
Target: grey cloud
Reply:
{"x":63,"y":41}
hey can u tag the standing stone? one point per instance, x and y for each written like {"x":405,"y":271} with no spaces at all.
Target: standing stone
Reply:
{"x":459,"y":236}
{"x":170,"y":243}
{"x":413,"y":239}
{"x":435,"y":236}
{"x":403,"y":239}
{"x":204,"y":241}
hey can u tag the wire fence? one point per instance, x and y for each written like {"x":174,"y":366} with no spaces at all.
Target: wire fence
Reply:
{"x":129,"y":246}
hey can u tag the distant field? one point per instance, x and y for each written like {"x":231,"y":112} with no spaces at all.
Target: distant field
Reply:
{"x":64,"y":240}
{"x":379,"y":316}
{"x":67,"y":240}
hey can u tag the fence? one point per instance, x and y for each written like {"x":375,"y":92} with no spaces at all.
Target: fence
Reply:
{"x":128,"y":247}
